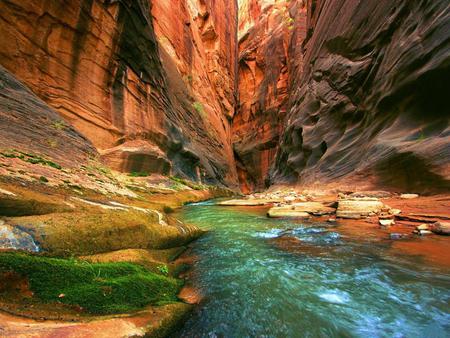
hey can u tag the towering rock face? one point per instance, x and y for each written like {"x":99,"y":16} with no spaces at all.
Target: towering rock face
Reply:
{"x":151,"y":84}
{"x":369,"y":104}
{"x":268,"y":30}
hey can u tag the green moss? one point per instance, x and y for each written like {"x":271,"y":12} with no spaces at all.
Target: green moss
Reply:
{"x":99,"y":288}
{"x":138,"y":174}
{"x":31,"y":158}
{"x":190,"y":184}
{"x":43,"y":179}
{"x":163,"y":269}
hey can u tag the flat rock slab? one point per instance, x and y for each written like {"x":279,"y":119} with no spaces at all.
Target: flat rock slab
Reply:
{"x":245,"y":202}
{"x":158,"y":321}
{"x":286,"y":212}
{"x":300,"y":210}
{"x":357,"y":208}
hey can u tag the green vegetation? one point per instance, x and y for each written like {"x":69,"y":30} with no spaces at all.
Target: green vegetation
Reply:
{"x":199,"y":108}
{"x":31,"y":158}
{"x":188,"y":183}
{"x":99,"y":288}
{"x":163,"y":269}
{"x":59,"y":125}
{"x":167,"y":209}
{"x":43,"y":179}
{"x":139,"y":174}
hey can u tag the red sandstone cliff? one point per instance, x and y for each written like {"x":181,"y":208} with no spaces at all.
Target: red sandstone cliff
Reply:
{"x":150,"y":83}
{"x":369,"y":105}
{"x":267,"y":32}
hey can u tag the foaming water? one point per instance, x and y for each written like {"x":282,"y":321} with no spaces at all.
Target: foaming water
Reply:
{"x":327,"y":287}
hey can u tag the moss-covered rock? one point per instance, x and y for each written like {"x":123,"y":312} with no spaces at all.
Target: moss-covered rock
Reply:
{"x":98,"y":230}
{"x":98,"y":288}
{"x":157,"y":261}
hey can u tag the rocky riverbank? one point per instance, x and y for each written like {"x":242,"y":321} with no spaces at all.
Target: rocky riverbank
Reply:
{"x":89,"y":251}
{"x":410,"y":223}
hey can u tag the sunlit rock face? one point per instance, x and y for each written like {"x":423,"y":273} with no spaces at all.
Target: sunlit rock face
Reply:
{"x":159,"y":75}
{"x":368,"y":105}
{"x":269,"y":31}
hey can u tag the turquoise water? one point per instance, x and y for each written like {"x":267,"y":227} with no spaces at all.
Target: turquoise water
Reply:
{"x":335,"y":288}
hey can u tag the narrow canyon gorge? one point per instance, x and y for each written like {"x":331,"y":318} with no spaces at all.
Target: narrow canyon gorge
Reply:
{"x":116,"y":113}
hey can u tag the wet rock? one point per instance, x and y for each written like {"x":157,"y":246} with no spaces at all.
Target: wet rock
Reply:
{"x":358,"y":208}
{"x":100,"y":230}
{"x":245,"y":202}
{"x":441,"y":228}
{"x":287,"y":211}
{"x":14,"y":238}
{"x":409,"y":196}
{"x":152,"y":322}
{"x":396,"y":235}
{"x":422,"y":232}
{"x":422,"y":227}
{"x":386,"y":222}
{"x":300,"y":210}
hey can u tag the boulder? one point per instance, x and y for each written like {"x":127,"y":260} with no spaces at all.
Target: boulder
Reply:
{"x":441,"y":228}
{"x":358,"y":208}
{"x":386,"y":222}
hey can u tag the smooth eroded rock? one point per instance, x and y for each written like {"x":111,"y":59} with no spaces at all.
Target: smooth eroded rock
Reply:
{"x":358,"y":208}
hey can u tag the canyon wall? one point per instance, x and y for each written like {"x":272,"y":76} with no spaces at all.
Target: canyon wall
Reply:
{"x":150,"y":83}
{"x":370,"y":108}
{"x":269,"y":32}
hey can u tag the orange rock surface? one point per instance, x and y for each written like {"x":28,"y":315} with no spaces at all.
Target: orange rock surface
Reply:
{"x":267,"y":31}
{"x":103,"y":68}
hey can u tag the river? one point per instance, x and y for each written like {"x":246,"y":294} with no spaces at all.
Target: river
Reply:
{"x":333,"y":286}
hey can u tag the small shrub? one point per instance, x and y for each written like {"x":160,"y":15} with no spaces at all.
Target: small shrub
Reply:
{"x":167,"y":209}
{"x":43,"y":179}
{"x":199,"y":108}
{"x":59,"y":125}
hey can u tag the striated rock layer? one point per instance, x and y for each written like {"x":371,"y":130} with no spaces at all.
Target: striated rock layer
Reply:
{"x":368,"y":106}
{"x":29,"y":124}
{"x":150,"y":83}
{"x":268,"y":30}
